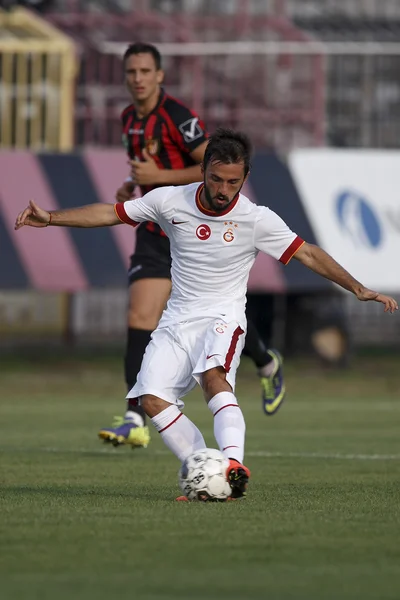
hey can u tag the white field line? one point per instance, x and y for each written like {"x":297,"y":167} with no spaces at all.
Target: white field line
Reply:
{"x":335,"y":456}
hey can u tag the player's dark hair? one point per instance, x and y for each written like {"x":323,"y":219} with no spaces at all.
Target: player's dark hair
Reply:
{"x":141,"y":48}
{"x":228,"y":146}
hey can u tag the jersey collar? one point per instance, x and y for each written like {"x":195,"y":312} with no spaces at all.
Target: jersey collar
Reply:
{"x":213,"y":213}
{"x":160,"y":101}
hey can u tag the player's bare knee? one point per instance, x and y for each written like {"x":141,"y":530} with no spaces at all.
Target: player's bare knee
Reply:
{"x":153,"y":405}
{"x":143,"y":318}
{"x":213,"y":382}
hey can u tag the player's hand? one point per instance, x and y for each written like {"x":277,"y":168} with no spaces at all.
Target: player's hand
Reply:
{"x":146,"y":172}
{"x":125,"y":192}
{"x":33,"y":215}
{"x":390,"y":303}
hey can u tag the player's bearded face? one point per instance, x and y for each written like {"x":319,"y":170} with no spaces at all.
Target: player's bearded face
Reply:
{"x":222,"y":183}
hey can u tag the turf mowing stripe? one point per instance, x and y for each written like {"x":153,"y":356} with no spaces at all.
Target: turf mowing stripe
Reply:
{"x":261,"y":454}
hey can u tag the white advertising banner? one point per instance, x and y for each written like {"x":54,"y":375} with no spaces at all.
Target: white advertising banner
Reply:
{"x":352,"y":200}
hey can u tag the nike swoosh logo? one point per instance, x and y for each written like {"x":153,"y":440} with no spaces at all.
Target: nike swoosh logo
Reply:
{"x":211,"y":355}
{"x":178,"y":222}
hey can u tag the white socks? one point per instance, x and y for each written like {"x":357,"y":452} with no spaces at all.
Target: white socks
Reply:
{"x":135,"y":418}
{"x":178,"y":432}
{"x":229,"y":425}
{"x":182,"y":437}
{"x":268,"y":369}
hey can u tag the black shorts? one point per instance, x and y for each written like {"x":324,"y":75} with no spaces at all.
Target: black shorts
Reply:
{"x":152,"y":258}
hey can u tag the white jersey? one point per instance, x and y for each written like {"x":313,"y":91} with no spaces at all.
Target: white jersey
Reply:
{"x":212,"y":253}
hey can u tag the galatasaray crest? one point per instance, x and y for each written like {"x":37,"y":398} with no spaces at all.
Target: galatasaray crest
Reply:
{"x":230,"y":233}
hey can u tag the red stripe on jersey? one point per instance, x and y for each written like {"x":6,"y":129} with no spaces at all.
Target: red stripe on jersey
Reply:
{"x":149,"y":137}
{"x":147,"y":141}
{"x":155,"y":228}
{"x":126,"y":110}
{"x":149,"y":132}
{"x":174,"y":156}
{"x":150,"y":226}
{"x":135,"y":137}
{"x":172,"y":422}
{"x":122,"y":216}
{"x":212,"y":213}
{"x":291,"y":251}
{"x":232,"y":349}
{"x":127,"y":125}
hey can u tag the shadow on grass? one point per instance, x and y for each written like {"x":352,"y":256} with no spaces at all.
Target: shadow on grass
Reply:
{"x":144,"y":493}
{"x":105,"y":452}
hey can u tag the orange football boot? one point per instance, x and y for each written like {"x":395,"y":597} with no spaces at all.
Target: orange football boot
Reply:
{"x":238,"y":476}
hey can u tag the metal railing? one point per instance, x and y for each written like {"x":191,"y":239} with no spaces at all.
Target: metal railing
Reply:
{"x":285,"y":94}
{"x":275,"y":81}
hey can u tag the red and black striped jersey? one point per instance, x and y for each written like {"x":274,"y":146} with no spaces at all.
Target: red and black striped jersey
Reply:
{"x":169,"y":133}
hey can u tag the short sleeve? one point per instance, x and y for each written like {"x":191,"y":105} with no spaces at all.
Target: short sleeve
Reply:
{"x":186,"y":128}
{"x":274,"y":237}
{"x":147,"y":208}
{"x":192,"y":132}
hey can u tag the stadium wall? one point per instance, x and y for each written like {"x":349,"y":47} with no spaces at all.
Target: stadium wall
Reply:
{"x":71,"y":283}
{"x":59,"y":259}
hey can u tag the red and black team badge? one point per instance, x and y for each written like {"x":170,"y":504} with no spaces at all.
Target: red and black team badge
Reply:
{"x":152,"y":146}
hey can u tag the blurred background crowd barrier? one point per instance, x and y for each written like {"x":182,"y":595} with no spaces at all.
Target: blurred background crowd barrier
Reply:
{"x":313,"y":82}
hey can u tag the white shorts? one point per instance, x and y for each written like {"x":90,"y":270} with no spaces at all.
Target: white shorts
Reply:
{"x":177,"y":356}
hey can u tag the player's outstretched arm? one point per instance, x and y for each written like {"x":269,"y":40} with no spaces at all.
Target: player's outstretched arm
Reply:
{"x":92,"y":215}
{"x":322,"y":263}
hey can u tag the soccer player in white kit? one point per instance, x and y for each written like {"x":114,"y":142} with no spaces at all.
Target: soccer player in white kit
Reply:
{"x":215,"y":234}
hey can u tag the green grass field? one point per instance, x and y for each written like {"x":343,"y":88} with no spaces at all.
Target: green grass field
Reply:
{"x":81,"y":520}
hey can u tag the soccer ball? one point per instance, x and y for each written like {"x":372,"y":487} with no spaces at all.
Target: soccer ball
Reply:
{"x":203,"y":476}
